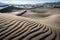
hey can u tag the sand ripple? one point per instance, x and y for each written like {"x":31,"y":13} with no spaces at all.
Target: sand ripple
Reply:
{"x":12,"y":28}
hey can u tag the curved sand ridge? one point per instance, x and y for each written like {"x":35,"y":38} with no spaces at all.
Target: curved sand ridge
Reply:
{"x":15,"y":28}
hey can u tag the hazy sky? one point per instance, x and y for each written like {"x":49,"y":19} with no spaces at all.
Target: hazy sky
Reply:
{"x":27,"y":1}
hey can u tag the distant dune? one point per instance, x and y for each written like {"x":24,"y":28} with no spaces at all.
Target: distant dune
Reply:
{"x":21,"y":28}
{"x":10,"y":9}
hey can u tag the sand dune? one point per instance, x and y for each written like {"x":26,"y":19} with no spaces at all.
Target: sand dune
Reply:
{"x":53,"y":20}
{"x":20,"y":28}
{"x":50,"y":17}
{"x":17,"y":13}
{"x":10,"y":9}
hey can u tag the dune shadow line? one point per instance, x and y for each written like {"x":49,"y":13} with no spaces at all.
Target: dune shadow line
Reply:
{"x":21,"y":13}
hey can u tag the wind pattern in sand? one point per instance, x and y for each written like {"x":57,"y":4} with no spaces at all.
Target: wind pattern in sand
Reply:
{"x":14,"y":28}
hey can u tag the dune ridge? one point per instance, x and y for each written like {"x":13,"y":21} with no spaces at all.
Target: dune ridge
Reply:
{"x":17,"y":28}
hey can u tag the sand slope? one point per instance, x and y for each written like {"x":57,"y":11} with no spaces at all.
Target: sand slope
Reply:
{"x":50,"y":17}
{"x":20,"y":28}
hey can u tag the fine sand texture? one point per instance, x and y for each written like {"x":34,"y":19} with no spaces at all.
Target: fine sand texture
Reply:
{"x":21,"y":28}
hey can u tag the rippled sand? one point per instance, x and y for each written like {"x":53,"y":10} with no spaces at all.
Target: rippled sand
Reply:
{"x":14,"y":27}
